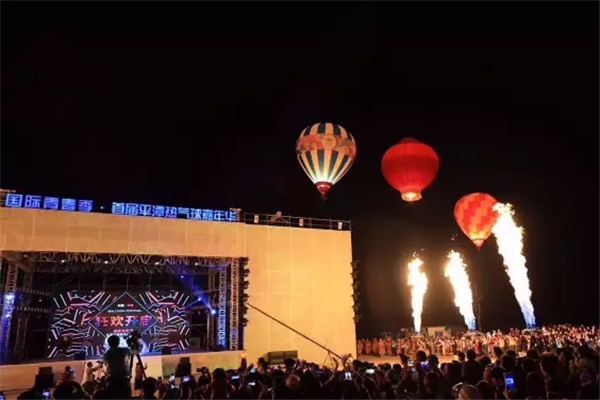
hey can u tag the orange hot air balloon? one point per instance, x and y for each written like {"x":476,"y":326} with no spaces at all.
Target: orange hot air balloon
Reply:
{"x":475,"y":216}
{"x":409,"y":167}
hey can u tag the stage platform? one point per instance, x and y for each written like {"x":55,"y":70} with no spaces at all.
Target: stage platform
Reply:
{"x":22,"y":376}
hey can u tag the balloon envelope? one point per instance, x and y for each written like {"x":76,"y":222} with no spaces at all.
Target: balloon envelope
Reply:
{"x":409,"y":167}
{"x":475,"y":216}
{"x":326,"y":152}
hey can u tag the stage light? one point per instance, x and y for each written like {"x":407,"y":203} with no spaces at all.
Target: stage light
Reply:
{"x":245,"y":297}
{"x":181,"y":276}
{"x":9,"y":297}
{"x":213,"y":312}
{"x":246,"y":272}
{"x":245,"y":284}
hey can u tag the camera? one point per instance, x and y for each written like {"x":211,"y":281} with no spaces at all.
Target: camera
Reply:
{"x":133,"y":341}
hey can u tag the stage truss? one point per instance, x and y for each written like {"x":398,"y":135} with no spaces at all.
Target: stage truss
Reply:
{"x":223,"y":278}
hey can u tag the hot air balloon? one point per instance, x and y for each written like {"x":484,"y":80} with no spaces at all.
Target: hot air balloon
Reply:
{"x":326,"y":152}
{"x":475,"y":216}
{"x":409,"y":167}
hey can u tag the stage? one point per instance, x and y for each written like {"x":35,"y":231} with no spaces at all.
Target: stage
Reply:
{"x":22,"y":376}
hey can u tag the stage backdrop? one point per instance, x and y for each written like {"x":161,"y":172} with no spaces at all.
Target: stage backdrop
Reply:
{"x":300,"y":276}
{"x":88,"y":319}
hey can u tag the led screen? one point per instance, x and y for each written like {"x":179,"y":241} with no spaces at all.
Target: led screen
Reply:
{"x":87,"y":319}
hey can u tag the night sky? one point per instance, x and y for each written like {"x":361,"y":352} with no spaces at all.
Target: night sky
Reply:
{"x":200,"y":104}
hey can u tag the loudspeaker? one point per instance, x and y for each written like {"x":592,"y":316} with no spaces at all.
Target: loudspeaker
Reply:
{"x":293,"y":354}
{"x":183,"y":370}
{"x":79,"y":356}
{"x":45,"y":371}
{"x":166,"y":351}
{"x":44,"y":381}
{"x":275,"y":357}
{"x":195,"y":343}
{"x":184,"y":360}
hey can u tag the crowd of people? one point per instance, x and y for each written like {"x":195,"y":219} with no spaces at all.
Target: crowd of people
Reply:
{"x":547,"y":338}
{"x":559,"y":362}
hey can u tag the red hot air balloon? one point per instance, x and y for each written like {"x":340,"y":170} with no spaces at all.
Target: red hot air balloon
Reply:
{"x":409,"y":167}
{"x":475,"y":216}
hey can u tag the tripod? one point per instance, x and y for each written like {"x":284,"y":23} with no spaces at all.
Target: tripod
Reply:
{"x":139,"y":359}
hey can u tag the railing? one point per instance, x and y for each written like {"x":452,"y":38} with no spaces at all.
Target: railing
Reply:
{"x":11,"y":199}
{"x":297,"y":222}
{"x":295,"y":331}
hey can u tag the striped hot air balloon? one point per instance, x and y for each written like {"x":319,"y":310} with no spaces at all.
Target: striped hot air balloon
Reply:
{"x":326,"y":152}
{"x":475,"y":216}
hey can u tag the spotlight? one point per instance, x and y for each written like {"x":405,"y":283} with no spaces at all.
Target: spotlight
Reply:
{"x":245,"y":284}
{"x":245,"y":297}
{"x":213,"y":312}
{"x":246,"y":272}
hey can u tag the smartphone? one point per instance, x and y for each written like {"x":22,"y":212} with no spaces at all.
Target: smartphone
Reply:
{"x":174,"y":386}
{"x":370,"y":371}
{"x":251,"y":383}
{"x":45,"y":395}
{"x":347,"y":376}
{"x":235,"y":377}
{"x":411,"y":363}
{"x":253,"y":371}
{"x":172,"y":378}
{"x":509,"y":381}
{"x":185,"y":379}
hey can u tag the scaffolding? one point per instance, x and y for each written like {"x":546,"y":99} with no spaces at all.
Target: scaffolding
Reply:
{"x":234,"y":304}
{"x":8,"y":305}
{"x":222,"y":273}
{"x":222,"y":309}
{"x":22,"y":320}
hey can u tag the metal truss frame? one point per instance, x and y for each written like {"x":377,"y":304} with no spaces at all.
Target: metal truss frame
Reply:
{"x":222,"y":309}
{"x":8,"y":305}
{"x":224,"y":277}
{"x":58,"y":262}
{"x":234,"y":304}
{"x":212,"y":288}
{"x":122,"y":269}
{"x":22,"y":321}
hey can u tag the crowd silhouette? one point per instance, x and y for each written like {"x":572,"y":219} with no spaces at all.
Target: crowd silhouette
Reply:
{"x":555,"y":362}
